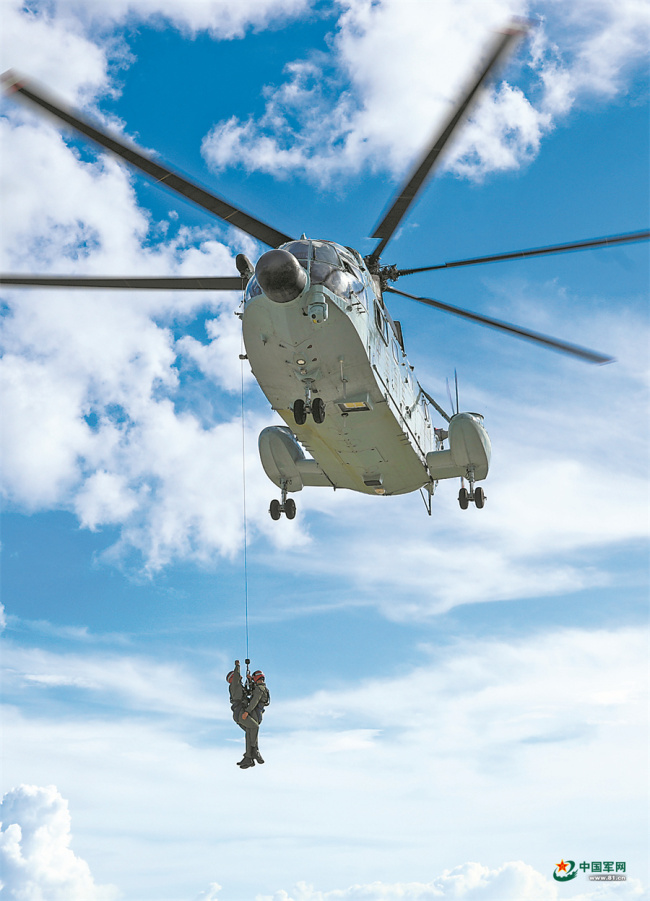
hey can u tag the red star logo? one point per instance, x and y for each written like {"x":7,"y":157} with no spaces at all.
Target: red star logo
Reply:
{"x":561,"y":867}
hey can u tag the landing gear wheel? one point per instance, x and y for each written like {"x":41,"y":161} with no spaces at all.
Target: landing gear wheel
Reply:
{"x":318,"y":409}
{"x":299,"y":412}
{"x":290,"y":508}
{"x":479,"y":498}
{"x":463,"y":498}
{"x":274,"y":509}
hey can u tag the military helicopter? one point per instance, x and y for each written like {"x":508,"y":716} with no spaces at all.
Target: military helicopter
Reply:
{"x":320,"y":339}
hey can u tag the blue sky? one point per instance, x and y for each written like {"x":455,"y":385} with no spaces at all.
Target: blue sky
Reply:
{"x":459,"y":702}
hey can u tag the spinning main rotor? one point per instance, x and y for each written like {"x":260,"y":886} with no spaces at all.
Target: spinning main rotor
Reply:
{"x":384,"y":231}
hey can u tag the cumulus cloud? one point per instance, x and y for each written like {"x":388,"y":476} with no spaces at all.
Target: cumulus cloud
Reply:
{"x":37,"y":860}
{"x":92,"y":381}
{"x":54,"y":50}
{"x":91,"y":424}
{"x":590,"y":50}
{"x":219,"y":18}
{"x":391,"y":78}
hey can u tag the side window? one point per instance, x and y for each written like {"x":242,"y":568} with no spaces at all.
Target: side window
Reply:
{"x":380,"y":322}
{"x":356,"y":255}
{"x":252,"y":288}
{"x":357,"y":283}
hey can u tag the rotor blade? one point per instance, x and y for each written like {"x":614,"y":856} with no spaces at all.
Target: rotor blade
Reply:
{"x":582,"y":352}
{"x":456,"y":381}
{"x":410,"y":189}
{"x":166,"y":283}
{"x":159,"y":173}
{"x":589,"y":244}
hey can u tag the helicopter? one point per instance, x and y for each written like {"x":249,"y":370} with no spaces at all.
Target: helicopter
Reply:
{"x":320,"y":339}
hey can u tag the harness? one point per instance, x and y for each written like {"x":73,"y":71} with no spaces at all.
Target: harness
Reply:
{"x":264,"y":701}
{"x":248,"y":688}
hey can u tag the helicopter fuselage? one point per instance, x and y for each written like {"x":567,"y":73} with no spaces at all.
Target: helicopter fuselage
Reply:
{"x":336,"y":342}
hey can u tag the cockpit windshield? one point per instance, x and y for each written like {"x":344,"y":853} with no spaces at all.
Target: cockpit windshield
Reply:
{"x":325,"y":253}
{"x":300,"y":249}
{"x":337,"y":268}
{"x":338,"y":271}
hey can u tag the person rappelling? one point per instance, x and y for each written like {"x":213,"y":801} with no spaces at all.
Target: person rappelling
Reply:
{"x":247,"y":702}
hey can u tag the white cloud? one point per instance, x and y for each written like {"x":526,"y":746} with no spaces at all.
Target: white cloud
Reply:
{"x":514,"y":881}
{"x":53,"y":50}
{"x":211,"y":893}
{"x":219,"y":18}
{"x":600,"y":44}
{"x":90,"y":379}
{"x":37,"y":860}
{"x":89,"y":425}
{"x":105,"y":498}
{"x":385,"y":114}
{"x":94,"y":416}
{"x":138,"y":683}
{"x":390,"y":80}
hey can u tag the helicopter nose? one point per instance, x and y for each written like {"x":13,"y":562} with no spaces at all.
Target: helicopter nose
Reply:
{"x":280,"y":275}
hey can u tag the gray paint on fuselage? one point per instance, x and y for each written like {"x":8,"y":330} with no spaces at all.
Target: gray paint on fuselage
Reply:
{"x":391,"y":439}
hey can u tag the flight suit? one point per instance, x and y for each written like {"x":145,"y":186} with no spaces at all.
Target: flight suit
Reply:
{"x":254,"y":709}
{"x":237,"y":698}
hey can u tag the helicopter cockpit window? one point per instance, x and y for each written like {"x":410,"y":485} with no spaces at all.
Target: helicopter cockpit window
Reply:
{"x":356,"y":255}
{"x":300,"y":250}
{"x":326,"y":269}
{"x":325,"y":253}
{"x":336,"y":280}
{"x":380,"y":322}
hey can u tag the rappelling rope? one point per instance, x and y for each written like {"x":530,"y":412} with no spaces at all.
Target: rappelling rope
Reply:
{"x":243,"y":467}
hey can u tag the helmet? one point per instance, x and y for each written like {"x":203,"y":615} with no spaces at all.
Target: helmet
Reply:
{"x":258,"y":676}
{"x":230,"y":675}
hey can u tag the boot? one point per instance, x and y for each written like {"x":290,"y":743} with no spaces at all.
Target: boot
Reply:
{"x":245,"y":762}
{"x":257,"y":756}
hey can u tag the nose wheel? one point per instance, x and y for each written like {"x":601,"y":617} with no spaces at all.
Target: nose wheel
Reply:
{"x":476,"y":495}
{"x":315,"y":406}
{"x":287,"y":506}
{"x":318,"y":410}
{"x":300,"y":411}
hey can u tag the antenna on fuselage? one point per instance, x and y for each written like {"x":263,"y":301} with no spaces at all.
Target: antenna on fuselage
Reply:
{"x":454,"y":408}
